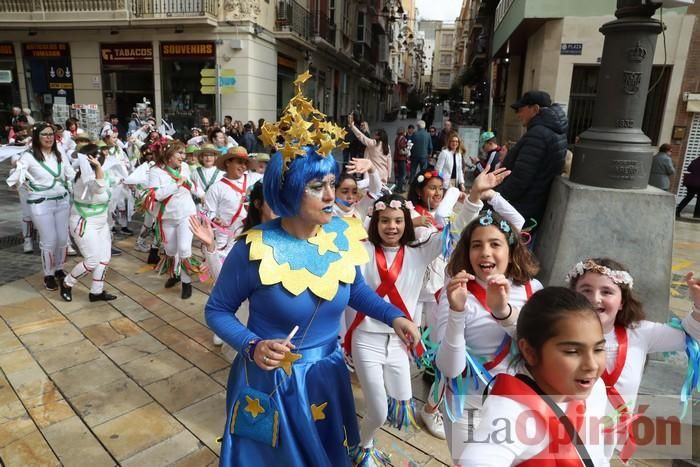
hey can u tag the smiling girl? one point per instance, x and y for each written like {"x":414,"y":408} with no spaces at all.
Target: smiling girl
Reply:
{"x":557,"y":389}
{"x":396,"y":269}
{"x":349,"y":202}
{"x":629,"y":338}
{"x":500,"y":272}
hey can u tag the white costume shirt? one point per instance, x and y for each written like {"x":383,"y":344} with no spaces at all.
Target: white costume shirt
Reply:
{"x":181,"y":204}
{"x":500,"y":411}
{"x":41,"y":179}
{"x":224,"y":202}
{"x":204,"y":178}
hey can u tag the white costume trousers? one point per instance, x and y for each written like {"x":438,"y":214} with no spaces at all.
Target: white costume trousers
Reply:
{"x":96,"y":247}
{"x":27,"y":225}
{"x":178,"y":242}
{"x":50,"y":218}
{"x":383,"y":368}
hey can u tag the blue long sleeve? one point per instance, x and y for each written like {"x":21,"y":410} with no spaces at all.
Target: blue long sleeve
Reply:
{"x":234,"y":285}
{"x":363,"y":298}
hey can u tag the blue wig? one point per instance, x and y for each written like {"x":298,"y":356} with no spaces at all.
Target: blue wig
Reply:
{"x":283,"y":195}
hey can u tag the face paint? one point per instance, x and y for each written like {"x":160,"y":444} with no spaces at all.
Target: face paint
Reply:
{"x":316,"y":188}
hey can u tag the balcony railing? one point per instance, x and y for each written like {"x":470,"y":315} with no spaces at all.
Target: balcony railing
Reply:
{"x":135,"y":8}
{"x":325,"y":28}
{"x":293,"y":17}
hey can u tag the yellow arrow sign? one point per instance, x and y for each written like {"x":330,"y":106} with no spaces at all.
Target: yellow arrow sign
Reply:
{"x":208,"y":81}
{"x":227,"y":90}
{"x":229,"y":73}
{"x":208,"y":90}
{"x":207,"y":72}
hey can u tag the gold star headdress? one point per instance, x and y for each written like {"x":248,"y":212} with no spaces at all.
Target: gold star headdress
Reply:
{"x":302,"y":125}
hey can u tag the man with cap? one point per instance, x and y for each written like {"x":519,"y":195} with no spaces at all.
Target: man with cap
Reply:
{"x":537,"y":157}
{"x":226,"y":198}
{"x":261,"y":161}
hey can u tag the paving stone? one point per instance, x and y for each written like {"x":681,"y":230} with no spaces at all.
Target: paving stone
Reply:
{"x":67,"y":355}
{"x":30,"y":450}
{"x":86,"y":376}
{"x":95,"y":314}
{"x":109,"y":401}
{"x":183,"y":389}
{"x":151,"y":368}
{"x":75,"y":445}
{"x":166,"y":452}
{"x":203,"y":457}
{"x":102,"y":334}
{"x":133,"y":432}
{"x":206,"y":419}
{"x":132,"y":347}
{"x":51,"y":337}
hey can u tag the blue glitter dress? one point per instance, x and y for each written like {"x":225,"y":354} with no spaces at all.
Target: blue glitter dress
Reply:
{"x":285,"y":281}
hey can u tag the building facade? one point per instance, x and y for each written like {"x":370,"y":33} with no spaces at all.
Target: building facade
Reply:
{"x":428,"y":28}
{"x":443,"y":58}
{"x":194,"y":58}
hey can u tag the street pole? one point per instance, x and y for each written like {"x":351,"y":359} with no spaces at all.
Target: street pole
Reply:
{"x":615,"y":152}
{"x":218,"y":94}
{"x":606,"y":208}
{"x":489,"y":125}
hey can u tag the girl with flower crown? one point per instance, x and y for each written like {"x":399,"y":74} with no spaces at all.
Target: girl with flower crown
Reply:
{"x":426,"y":194}
{"x":396,"y":269}
{"x":629,"y":338}
{"x":172,"y":188}
{"x":493,"y":264}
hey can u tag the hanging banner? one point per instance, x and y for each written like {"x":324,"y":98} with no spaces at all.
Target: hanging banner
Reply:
{"x":187,"y":49}
{"x":126,"y":53}
{"x":6,"y":50}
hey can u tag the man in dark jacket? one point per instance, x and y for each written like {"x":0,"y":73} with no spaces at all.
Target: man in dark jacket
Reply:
{"x":537,"y":157}
{"x":422,"y":148}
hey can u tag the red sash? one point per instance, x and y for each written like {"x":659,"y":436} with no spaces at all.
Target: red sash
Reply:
{"x":480,"y":294}
{"x":616,"y":400}
{"x":556,"y":454}
{"x":242,"y":193}
{"x":425,"y":213}
{"x":387,"y":287}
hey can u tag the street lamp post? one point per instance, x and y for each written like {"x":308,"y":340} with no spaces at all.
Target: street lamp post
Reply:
{"x":614,"y":152}
{"x":606,"y":208}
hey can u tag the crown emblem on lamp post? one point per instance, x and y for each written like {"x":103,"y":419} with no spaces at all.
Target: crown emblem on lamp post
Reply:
{"x":637,"y":53}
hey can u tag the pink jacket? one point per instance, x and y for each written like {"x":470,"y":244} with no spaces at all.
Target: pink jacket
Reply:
{"x":373,"y":152}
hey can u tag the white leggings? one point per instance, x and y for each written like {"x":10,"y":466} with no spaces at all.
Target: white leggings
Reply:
{"x":383,"y":368}
{"x":50,"y":218}
{"x":96,"y":247}
{"x":178,"y":242}
{"x":27,"y":225}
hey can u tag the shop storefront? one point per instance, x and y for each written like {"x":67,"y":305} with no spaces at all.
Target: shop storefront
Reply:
{"x":181,"y":66}
{"x":9,"y":88}
{"x":127,"y":77}
{"x":49,"y":75}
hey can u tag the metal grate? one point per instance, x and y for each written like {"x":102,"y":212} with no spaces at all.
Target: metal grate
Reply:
{"x":692,"y":152}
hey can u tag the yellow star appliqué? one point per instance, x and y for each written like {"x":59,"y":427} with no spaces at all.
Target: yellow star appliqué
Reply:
{"x":324,"y":241}
{"x":253,"y":407}
{"x":302,"y":78}
{"x":317,"y":411}
{"x":288,"y":360}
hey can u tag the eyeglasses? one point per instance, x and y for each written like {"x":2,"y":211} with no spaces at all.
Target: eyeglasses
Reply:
{"x":46,"y":135}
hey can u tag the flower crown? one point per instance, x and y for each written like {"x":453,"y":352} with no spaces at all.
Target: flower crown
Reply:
{"x":393,"y":204}
{"x":618,"y":277}
{"x":158,"y":145}
{"x":299,"y":132}
{"x":503,"y":226}
{"x":427,"y":175}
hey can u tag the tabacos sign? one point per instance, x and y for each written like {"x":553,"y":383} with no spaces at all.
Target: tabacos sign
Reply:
{"x":126,"y":53}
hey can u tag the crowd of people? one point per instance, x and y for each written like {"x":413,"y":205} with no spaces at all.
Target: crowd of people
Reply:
{"x":343,"y":274}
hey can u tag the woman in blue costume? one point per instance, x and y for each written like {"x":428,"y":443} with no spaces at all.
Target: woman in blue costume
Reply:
{"x":291,"y":404}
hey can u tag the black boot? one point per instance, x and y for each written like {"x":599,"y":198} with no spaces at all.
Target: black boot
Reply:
{"x":104,"y":296}
{"x":50,"y":283}
{"x":153,"y":256}
{"x":66,"y":292}
{"x":186,"y":290}
{"x":59,"y":275}
{"x":172,"y":282}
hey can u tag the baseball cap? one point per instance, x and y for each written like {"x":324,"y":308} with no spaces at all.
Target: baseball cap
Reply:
{"x":540,"y":98}
{"x":486,"y":136}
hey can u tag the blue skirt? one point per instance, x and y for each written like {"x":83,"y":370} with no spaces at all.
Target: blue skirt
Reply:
{"x":305,"y":438}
